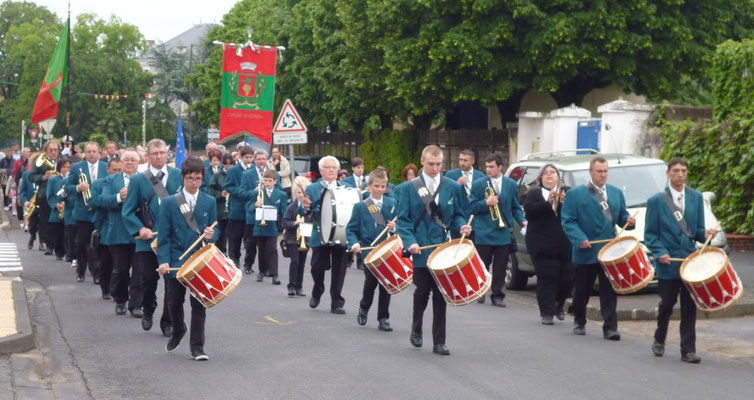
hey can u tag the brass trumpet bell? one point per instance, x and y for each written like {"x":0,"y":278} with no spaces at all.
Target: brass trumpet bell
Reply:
{"x":494,"y":210}
{"x":43,"y":160}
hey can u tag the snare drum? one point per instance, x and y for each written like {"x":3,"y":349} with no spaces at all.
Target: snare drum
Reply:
{"x":209,"y":275}
{"x":711,"y":280}
{"x":337,"y":205}
{"x":626,"y":265}
{"x":459,"y":272}
{"x":394,"y":272}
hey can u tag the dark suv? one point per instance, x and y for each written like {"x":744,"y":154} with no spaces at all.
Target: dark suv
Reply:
{"x":308,"y":166}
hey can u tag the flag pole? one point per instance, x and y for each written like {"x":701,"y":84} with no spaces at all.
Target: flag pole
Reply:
{"x":68,"y":81}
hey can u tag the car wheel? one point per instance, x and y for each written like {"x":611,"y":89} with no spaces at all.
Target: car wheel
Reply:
{"x":514,"y":279}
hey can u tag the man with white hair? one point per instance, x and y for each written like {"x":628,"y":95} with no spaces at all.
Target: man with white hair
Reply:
{"x":325,"y":255}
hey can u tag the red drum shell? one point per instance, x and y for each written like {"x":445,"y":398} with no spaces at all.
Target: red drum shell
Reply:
{"x":209,"y":275}
{"x":464,"y":282}
{"x":392,"y":271}
{"x":629,"y":273}
{"x":718,"y":292}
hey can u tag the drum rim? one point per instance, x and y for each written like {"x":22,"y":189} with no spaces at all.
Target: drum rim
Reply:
{"x":184,"y":268}
{"x":715,"y":275}
{"x":387,"y":241}
{"x":624,"y":257}
{"x":452,"y":268}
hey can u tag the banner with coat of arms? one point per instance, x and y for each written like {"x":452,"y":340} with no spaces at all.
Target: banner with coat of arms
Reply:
{"x":248,"y":91}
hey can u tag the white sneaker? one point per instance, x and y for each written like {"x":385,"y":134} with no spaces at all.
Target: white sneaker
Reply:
{"x":74,"y":264}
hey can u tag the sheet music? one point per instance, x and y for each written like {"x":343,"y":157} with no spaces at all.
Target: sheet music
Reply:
{"x":266,"y":213}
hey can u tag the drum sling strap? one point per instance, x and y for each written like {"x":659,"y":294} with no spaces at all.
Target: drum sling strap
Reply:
{"x":377,"y":216}
{"x":187,"y":212}
{"x":677,"y":215}
{"x":601,"y":201}
{"x":157,"y":185}
{"x":430,"y":207}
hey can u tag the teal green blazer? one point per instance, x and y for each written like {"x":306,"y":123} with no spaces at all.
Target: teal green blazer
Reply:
{"x":486,"y":230}
{"x":455,"y":174}
{"x":100,"y":213}
{"x":239,"y":195}
{"x":53,"y":186}
{"x":361,"y":227}
{"x":116,"y":229}
{"x":277,"y":199}
{"x":80,"y":211}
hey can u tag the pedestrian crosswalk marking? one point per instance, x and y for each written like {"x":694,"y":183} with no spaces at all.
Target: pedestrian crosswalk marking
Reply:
{"x":11,"y":269}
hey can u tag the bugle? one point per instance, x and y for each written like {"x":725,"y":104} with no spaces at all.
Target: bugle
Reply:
{"x":260,"y":198}
{"x":494,"y":209}
{"x":86,"y":194}
{"x":299,"y":238}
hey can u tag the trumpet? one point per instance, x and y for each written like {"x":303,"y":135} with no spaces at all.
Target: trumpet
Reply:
{"x":87,"y":193}
{"x":260,"y":197}
{"x":494,"y":210}
{"x":29,"y":210}
{"x":44,"y":160}
{"x":299,"y":238}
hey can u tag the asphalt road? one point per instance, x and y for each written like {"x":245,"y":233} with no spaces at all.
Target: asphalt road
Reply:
{"x":264,"y":345}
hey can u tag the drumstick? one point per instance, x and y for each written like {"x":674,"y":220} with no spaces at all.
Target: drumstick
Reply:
{"x":677,"y":259}
{"x":169,"y":269}
{"x":458,"y":246}
{"x":706,"y":242}
{"x":616,"y":236}
{"x":625,"y":226}
{"x":362,"y":249}
{"x":600,"y":241}
{"x":380,"y":235}
{"x":153,"y":234}
{"x":431,"y":246}
{"x":196,"y":242}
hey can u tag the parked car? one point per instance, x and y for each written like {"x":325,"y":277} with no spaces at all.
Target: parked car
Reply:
{"x":308,"y":166}
{"x":638,"y":178}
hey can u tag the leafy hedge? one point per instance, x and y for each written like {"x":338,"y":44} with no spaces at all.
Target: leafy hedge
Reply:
{"x":733,"y":78}
{"x":392,"y":149}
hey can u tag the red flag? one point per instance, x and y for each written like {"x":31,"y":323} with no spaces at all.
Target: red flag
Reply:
{"x":56,"y":78}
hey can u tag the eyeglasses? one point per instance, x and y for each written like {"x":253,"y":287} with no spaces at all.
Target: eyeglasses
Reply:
{"x":193,"y":179}
{"x":158,"y":153}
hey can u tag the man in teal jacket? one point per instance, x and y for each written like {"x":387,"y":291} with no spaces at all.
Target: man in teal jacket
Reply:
{"x":465,"y":175}
{"x":419,"y":227}
{"x":492,"y":242}
{"x":674,"y":221}
{"x":122,"y":245}
{"x":239,"y":196}
{"x":55,"y":225}
{"x":176,"y":235}
{"x":103,"y":255}
{"x":91,"y":168}
{"x":266,"y":234}
{"x":591,"y":212}
{"x":150,"y":188}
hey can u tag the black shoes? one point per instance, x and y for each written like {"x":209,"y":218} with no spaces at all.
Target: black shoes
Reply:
{"x":42,"y":246}
{"x":120,"y":309}
{"x":48,"y":252}
{"x":30,"y":245}
{"x":416,"y":339}
{"x":579,"y":330}
{"x":547,"y":321}
{"x":198,"y":355}
{"x":560,"y":315}
{"x":106,"y":296}
{"x":247,"y":271}
{"x":480,"y":300}
{"x":441,"y":349}
{"x":175,"y":341}
{"x":658,"y":349}
{"x":361,"y":317}
{"x":385,"y":325}
{"x":260,"y":277}
{"x":80,"y":278}
{"x":291,"y":292}
{"x":146,"y":322}
{"x":612,"y":335}
{"x":313,"y":302}
{"x":275,"y":280}
{"x":691,"y":358}
{"x":96,"y":281}
{"x":300,"y":292}
{"x":167,"y":330}
{"x":338,"y":310}
{"x":497,"y":302}
{"x":137,"y":312}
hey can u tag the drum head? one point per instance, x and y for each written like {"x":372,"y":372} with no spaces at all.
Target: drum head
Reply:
{"x":451,"y":255}
{"x":327,"y":216}
{"x":701,"y":267}
{"x":387,"y":246}
{"x":621,"y":248}
{"x":196,"y":262}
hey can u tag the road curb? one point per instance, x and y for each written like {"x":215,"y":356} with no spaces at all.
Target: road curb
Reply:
{"x":637,"y":314}
{"x":22,"y":341}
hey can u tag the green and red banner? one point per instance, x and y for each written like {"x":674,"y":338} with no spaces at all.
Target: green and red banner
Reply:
{"x":248,"y":91}
{"x":56,"y":79}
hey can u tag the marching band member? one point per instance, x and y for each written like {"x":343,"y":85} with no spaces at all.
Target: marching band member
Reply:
{"x":183,"y":217}
{"x":39,"y":176}
{"x":293,"y":217}
{"x":548,"y":245}
{"x":125,"y":290}
{"x":368,"y":219}
{"x":102,"y":225}
{"x":266,"y":232}
{"x":68,"y":196}
{"x":238,"y":198}
{"x":494,"y":240}
{"x":141,"y":214}
{"x":55,"y":223}
{"x":674,"y":220}
{"x":590,"y":212}
{"x":83,"y":173}
{"x":357,"y":179}
{"x":429,"y":209}
{"x":325,"y":255}
{"x":216,"y":189}
{"x":465,"y":175}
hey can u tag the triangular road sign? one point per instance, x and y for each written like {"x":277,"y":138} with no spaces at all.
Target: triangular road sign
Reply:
{"x":289,"y":120}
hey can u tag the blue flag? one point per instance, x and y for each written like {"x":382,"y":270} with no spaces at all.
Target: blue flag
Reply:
{"x":180,"y":146}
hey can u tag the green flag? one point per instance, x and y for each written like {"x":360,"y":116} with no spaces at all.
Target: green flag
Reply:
{"x":46,"y":106}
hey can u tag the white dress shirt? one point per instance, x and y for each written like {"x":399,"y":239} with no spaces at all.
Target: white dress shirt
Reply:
{"x":126,"y":181}
{"x":92,"y":170}
{"x":190,"y":198}
{"x":679,"y":197}
{"x":601,"y":189}
{"x":164,"y":170}
{"x":434,"y":182}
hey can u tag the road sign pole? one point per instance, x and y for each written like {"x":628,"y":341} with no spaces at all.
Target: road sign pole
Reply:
{"x":293,"y":170}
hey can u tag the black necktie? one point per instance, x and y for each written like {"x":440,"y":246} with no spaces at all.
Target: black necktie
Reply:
{"x":160,"y":175}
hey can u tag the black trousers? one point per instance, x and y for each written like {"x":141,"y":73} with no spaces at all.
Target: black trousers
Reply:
{"x":105,"y":267}
{"x":424,"y":285}
{"x":583,"y":281}
{"x":83,"y":235}
{"x":329,"y":258}
{"x":145,"y":263}
{"x":222,"y":242}
{"x":268,"y":255}
{"x":367,"y":296}
{"x":296,"y":269}
{"x":235,"y":237}
{"x":122,"y":287}
{"x":69,"y":242}
{"x":19,"y":211}
{"x":57,"y":237}
{"x":34,"y":226}
{"x":554,"y":281}
{"x":497,"y":256}
{"x":668,"y":289}
{"x":44,"y":216}
{"x":176,"y":295}
{"x":249,"y":246}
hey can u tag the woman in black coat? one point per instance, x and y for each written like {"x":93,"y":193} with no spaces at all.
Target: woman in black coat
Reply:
{"x":548,"y":245}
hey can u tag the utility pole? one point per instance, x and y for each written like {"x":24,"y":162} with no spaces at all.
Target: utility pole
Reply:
{"x":144,"y":121}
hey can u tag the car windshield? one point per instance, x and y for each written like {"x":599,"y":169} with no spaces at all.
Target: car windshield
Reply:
{"x":637,"y":182}
{"x":300,"y":165}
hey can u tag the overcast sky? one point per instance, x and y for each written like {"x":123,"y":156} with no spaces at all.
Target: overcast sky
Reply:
{"x":156,"y":19}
